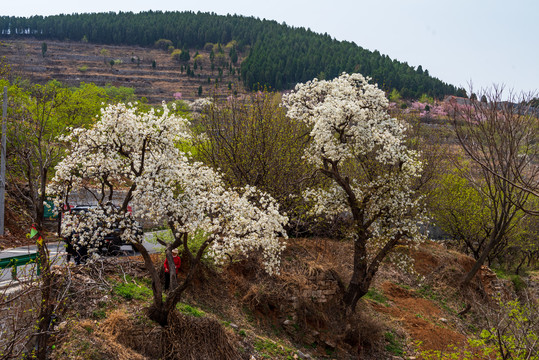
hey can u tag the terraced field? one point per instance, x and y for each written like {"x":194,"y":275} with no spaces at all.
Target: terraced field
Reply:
{"x":74,"y":62}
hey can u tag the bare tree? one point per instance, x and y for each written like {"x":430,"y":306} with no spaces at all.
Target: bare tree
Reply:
{"x":38,"y":115}
{"x":501,"y":139}
{"x":32,"y":153}
{"x":252,"y":141}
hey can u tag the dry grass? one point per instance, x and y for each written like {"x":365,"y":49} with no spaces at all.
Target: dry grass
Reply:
{"x":144,"y":337}
{"x":84,"y":340}
{"x":192,"y":338}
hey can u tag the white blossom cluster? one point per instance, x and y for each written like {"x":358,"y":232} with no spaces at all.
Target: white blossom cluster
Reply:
{"x":348,"y":118}
{"x":193,"y":197}
{"x":115,"y":147}
{"x":130,"y":149}
{"x":88,"y":228}
{"x":330,"y":201}
{"x":200,"y":104}
{"x":353,"y":138}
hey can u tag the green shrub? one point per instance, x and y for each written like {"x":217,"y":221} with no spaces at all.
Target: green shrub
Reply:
{"x":258,"y":125}
{"x":513,"y":335}
{"x":515,"y":279}
{"x":501,"y":273}
{"x":194,"y":241}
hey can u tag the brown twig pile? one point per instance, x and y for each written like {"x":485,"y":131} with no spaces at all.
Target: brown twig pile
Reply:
{"x":144,"y":339}
{"x":190,"y":338}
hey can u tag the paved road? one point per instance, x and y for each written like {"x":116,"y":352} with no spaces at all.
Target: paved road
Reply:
{"x":58,"y":256}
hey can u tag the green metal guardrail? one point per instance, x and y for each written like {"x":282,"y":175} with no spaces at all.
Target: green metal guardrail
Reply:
{"x":16,"y":261}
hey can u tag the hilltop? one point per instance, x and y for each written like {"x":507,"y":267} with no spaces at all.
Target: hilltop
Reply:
{"x":276,"y":55}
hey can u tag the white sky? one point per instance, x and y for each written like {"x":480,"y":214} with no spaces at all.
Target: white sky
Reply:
{"x":461,"y":41}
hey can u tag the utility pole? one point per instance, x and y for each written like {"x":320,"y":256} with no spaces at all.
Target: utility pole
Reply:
{"x":3,"y":164}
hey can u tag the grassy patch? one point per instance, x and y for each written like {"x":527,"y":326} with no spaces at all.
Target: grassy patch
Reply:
{"x":89,"y":328}
{"x":515,"y":279}
{"x":132,"y":290}
{"x":500,"y":273}
{"x":190,"y":310}
{"x":99,"y":314}
{"x":80,"y":345}
{"x":427,"y":292}
{"x":375,"y":295}
{"x":518,"y":282}
{"x":269,"y":349}
{"x":249,"y":316}
{"x":394,"y":345}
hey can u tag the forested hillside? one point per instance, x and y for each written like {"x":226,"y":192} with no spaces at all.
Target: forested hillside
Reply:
{"x":278,"y":56}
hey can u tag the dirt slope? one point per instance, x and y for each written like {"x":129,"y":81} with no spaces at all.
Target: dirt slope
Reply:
{"x":293,"y":315}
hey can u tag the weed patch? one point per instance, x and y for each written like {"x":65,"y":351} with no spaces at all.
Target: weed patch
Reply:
{"x":375,"y":295}
{"x":99,"y":314}
{"x":132,"y":290}
{"x":518,"y":283}
{"x":427,"y":292}
{"x":190,"y":310}
{"x":271,"y":350}
{"x":394,"y":345}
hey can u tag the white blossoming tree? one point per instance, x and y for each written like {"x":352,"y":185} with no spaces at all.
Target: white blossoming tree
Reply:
{"x":139,"y":153}
{"x":361,"y":149}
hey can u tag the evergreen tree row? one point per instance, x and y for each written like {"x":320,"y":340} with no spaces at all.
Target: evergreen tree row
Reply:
{"x":279,"y":56}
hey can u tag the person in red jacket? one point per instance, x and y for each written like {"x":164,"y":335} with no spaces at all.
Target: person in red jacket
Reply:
{"x":177,"y":264}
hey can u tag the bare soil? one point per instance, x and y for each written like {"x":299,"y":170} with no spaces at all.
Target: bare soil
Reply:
{"x":421,"y":318}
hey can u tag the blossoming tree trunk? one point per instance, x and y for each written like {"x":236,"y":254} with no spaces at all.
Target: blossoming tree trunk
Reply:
{"x":356,"y":144}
